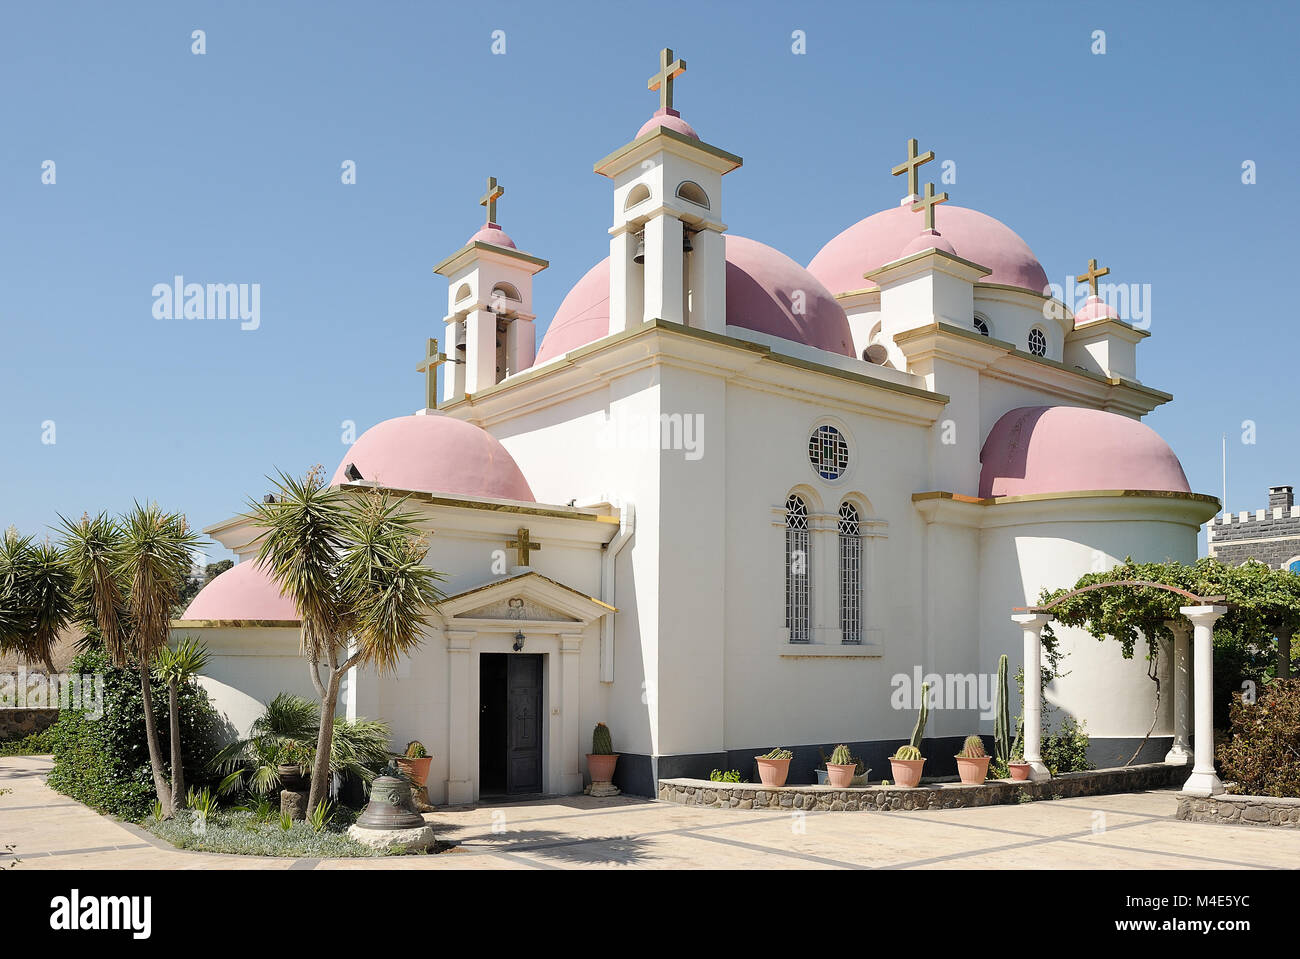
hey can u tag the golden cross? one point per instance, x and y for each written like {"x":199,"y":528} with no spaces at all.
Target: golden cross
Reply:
{"x":429,"y":367}
{"x":669,"y":69}
{"x":928,"y":203}
{"x":521,"y":545}
{"x":1093,"y":275}
{"x":912,"y":167}
{"x":490,"y":198}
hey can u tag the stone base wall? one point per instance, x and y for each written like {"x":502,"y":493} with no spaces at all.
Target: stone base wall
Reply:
{"x":1241,"y":810}
{"x":699,"y":792}
{"x":19,"y":723}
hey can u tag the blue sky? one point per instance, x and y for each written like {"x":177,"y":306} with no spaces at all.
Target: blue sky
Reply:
{"x":225,"y":167}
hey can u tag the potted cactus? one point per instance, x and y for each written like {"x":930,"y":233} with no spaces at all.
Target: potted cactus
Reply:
{"x":774,"y":766}
{"x":907,"y":764}
{"x":415,"y":762}
{"x":861,"y":771}
{"x":973,"y":761}
{"x":840,"y":767}
{"x":602,"y":759}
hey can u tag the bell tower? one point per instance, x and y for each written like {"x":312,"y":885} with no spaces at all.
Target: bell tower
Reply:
{"x":667,"y":255}
{"x":489,"y":321}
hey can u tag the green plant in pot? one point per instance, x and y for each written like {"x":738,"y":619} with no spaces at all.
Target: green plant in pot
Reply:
{"x":292,"y":760}
{"x":415,"y":762}
{"x":774,"y":766}
{"x":841,"y":767}
{"x":907,"y":763}
{"x":602,"y":759}
{"x":973,"y":761}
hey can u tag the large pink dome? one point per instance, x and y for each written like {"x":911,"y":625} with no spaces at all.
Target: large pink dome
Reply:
{"x":886,"y":236}
{"x":1061,"y":449}
{"x":243,"y":592}
{"x":763,"y":287}
{"x":436,"y":454}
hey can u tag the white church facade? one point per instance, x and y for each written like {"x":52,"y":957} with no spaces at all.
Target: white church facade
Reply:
{"x":729,"y":502}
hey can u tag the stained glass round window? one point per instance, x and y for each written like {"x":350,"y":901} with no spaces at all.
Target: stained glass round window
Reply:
{"x":828,"y":452}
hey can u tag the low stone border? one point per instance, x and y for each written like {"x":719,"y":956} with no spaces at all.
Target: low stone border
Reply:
{"x":1241,"y":810}
{"x":994,"y":792}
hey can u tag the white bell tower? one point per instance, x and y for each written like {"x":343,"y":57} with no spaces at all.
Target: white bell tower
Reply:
{"x":489,"y":321}
{"x":667,"y":253}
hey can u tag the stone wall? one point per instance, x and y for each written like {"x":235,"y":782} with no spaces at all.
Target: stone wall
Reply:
{"x":1269,"y":535}
{"x":1241,"y":810}
{"x":17,"y":723}
{"x":699,"y":792}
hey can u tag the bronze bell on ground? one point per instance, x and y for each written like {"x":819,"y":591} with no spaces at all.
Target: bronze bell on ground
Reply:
{"x":390,"y":806}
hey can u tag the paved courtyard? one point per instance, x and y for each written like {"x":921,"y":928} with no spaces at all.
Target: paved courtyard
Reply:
{"x":1125,"y":831}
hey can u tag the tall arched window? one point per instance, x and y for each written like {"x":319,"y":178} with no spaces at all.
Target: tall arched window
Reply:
{"x":798,"y":585}
{"x":850,"y":574}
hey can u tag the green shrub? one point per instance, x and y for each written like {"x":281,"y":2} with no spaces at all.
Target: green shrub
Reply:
{"x":33,"y":744}
{"x":1263,"y":756}
{"x":730,"y":776}
{"x":1066,"y":751}
{"x":104,"y":762}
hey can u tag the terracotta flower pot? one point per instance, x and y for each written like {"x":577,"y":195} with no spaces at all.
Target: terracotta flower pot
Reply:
{"x":907,"y":772}
{"x":973,"y":770}
{"x":417,"y":770}
{"x":1019,"y":771}
{"x":840,"y":775}
{"x":601,"y":766}
{"x":772,"y":772}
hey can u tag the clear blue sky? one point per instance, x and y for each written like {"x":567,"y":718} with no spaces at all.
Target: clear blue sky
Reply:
{"x":225,"y":168}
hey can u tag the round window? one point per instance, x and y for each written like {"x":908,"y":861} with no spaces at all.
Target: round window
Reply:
{"x":981,"y":325}
{"x":828,"y":452}
{"x":1037,"y":342}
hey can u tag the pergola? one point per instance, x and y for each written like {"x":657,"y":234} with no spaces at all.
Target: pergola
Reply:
{"x":1201,"y":614}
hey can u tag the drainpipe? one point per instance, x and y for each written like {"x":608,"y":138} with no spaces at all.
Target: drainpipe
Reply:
{"x":626,"y":529}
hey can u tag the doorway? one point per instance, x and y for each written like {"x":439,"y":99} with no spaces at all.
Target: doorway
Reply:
{"x":510,"y":724}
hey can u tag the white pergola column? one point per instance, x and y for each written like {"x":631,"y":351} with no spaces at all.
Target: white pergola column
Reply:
{"x":1203,"y":781}
{"x":1032,"y":624}
{"x":1180,"y":753}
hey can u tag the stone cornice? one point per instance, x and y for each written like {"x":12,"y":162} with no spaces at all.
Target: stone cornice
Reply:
{"x":458,"y":260}
{"x":661,"y":138}
{"x":1192,"y":509}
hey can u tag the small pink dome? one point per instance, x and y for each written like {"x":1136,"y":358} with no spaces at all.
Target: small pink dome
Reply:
{"x":1093,"y":309}
{"x":928,"y":240}
{"x":883,"y":237}
{"x":1061,"y":449}
{"x":669,"y":120}
{"x":245,"y":591}
{"x":763,"y":287}
{"x":492,"y":234}
{"x":436,"y":454}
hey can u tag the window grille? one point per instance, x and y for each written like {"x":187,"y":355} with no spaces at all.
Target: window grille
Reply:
{"x":798,"y":566}
{"x":850,"y":574}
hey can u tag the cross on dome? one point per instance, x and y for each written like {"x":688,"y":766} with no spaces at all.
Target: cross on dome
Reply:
{"x":489,"y":199}
{"x":429,"y":367}
{"x":912,"y":167}
{"x":669,"y":69}
{"x":1093,"y":275}
{"x":927,"y":203}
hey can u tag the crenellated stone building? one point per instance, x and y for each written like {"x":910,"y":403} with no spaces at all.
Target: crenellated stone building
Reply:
{"x":1269,"y":535}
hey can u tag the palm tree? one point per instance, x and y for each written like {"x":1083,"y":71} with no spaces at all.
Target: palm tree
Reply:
{"x":129,"y":574}
{"x":354,"y":567}
{"x":174,"y":666}
{"x":35,"y":597}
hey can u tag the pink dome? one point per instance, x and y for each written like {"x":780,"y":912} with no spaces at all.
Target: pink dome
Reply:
{"x":1093,"y":309}
{"x":885,"y":236}
{"x":1060,"y":449}
{"x":763,"y":286}
{"x":669,"y":120}
{"x":245,"y":591}
{"x":493,"y":234}
{"x":436,"y":454}
{"x":928,"y":240}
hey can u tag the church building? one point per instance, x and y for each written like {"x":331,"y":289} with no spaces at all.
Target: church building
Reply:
{"x":729,"y":502}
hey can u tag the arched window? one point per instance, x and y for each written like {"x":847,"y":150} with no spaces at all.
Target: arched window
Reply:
{"x":850,"y":574}
{"x":638,"y":194}
{"x":981,"y":324}
{"x":1037,"y":342}
{"x":798,"y":565}
{"x":692,"y":191}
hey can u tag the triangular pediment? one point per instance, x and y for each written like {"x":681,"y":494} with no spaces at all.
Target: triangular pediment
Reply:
{"x":518,"y":607}
{"x":526,"y":597}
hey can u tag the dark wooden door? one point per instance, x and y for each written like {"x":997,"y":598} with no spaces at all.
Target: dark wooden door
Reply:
{"x":524,"y":730}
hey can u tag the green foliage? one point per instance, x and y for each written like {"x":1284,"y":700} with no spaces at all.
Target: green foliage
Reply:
{"x":602,"y":744}
{"x":907,"y":753}
{"x":1066,"y":751}
{"x":36,"y":597}
{"x":918,"y":732}
{"x":33,"y":744}
{"x":295,"y":753}
{"x":972,"y":748}
{"x":1263,"y":756}
{"x":841,"y":756}
{"x":202,"y":802}
{"x":1240,"y":664}
{"x":321,"y":814}
{"x":159,"y":814}
{"x":1002,"y":718}
{"x":286,"y":821}
{"x":180,"y":663}
{"x":778,"y":753}
{"x":415,"y":750}
{"x":240,"y":831}
{"x":730,"y":776}
{"x":104,"y":762}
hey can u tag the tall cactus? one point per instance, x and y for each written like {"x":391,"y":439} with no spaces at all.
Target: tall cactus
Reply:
{"x":1002,"y":718}
{"x":602,"y":743}
{"x":924,"y":715}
